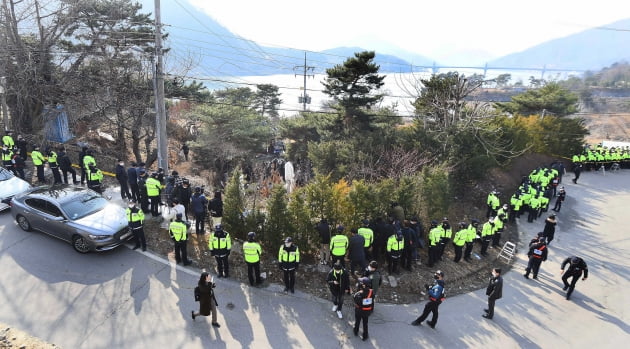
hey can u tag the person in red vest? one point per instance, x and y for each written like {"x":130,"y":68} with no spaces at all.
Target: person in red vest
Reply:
{"x":363,"y":306}
{"x":537,"y":254}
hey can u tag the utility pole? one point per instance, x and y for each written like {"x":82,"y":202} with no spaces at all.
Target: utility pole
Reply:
{"x":160,"y":108}
{"x":3,"y":95}
{"x":305,"y":98}
{"x":3,"y":79}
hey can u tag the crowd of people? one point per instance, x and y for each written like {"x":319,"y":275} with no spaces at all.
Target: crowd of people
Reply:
{"x":598,"y":155}
{"x":538,"y":183}
{"x":396,"y":240}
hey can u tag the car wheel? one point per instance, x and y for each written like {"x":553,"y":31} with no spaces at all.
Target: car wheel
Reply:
{"x":23,"y":223}
{"x":80,"y":244}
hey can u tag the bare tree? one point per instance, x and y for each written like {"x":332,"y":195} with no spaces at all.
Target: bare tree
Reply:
{"x":382,"y":162}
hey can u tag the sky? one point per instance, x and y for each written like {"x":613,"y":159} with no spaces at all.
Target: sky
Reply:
{"x":441,"y":30}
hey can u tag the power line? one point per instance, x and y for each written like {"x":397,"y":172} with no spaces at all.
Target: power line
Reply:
{"x":210,"y":30}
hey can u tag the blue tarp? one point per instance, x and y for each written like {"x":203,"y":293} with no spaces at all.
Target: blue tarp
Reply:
{"x":56,"y":124}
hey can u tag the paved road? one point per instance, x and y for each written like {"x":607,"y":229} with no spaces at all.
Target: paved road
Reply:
{"x":130,"y":299}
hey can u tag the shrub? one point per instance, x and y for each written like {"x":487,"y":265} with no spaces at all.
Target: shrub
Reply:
{"x":234,"y":207}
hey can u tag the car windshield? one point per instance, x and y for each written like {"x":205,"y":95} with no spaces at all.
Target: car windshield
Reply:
{"x":84,"y":205}
{"x":5,"y":174}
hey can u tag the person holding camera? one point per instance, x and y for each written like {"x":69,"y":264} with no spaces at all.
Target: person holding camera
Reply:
{"x":204,"y":294}
{"x":436,"y":296}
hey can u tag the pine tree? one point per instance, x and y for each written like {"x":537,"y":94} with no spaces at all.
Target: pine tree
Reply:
{"x":233,"y":207}
{"x":278,"y":224}
{"x":304,"y":234}
{"x":354,"y":85}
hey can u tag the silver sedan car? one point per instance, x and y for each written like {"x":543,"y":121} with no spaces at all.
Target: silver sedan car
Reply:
{"x":10,"y":185}
{"x":77,"y":215}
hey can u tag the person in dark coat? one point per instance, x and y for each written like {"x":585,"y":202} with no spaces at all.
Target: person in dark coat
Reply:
{"x":160,"y":175}
{"x":577,"y":266}
{"x":198,"y":204}
{"x":184,"y":193}
{"x":185,"y":150}
{"x":215,"y":206}
{"x":436,"y":296}
{"x":356,"y":251}
{"x":550,"y":228}
{"x":66,"y":166}
{"x":537,"y":254}
{"x":172,"y":181}
{"x":18,"y":163}
{"x":207,"y":300}
{"x":380,"y":239}
{"x":410,"y":242}
{"x":577,"y":169}
{"x":372,"y":273}
{"x":82,"y":154}
{"x":562,"y":194}
{"x":21,"y":144}
{"x":132,"y":179}
{"x":494,"y":291}
{"x":339,"y":284}
{"x":418,"y":231}
{"x":121,"y":176}
{"x":363,"y":306}
{"x":323,"y":229}
{"x":143,"y":198}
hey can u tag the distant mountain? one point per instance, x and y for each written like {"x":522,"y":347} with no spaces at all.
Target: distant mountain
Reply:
{"x":217,"y":52}
{"x":591,"y":49}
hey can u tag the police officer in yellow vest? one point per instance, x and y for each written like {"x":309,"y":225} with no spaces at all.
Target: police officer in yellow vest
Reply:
{"x":534,"y":206}
{"x":88,"y":160}
{"x":154,"y":187}
{"x":446,"y":233}
{"x":252,"y":252}
{"x":487,"y":231}
{"x":289,"y":261}
{"x":493,"y":203}
{"x":339,"y":246}
{"x":435,"y":236}
{"x":544,"y":204}
{"x":8,"y":140}
{"x":135,"y":219}
{"x":505,"y":211}
{"x":368,"y":235}
{"x":395,"y":246}
{"x":499,"y":225}
{"x":516,"y":201}
{"x":471,"y":236}
{"x":53,"y":165}
{"x":179,"y":233}
{"x":38,"y":161}
{"x":7,"y":157}
{"x":459,"y":241}
{"x":94,"y":179}
{"x":220,"y":245}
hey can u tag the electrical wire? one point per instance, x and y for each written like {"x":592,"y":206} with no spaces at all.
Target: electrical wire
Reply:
{"x":264,"y":54}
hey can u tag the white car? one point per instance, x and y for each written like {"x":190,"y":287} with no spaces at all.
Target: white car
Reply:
{"x":10,"y":185}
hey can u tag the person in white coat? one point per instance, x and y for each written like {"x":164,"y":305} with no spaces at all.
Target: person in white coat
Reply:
{"x":289,"y":176}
